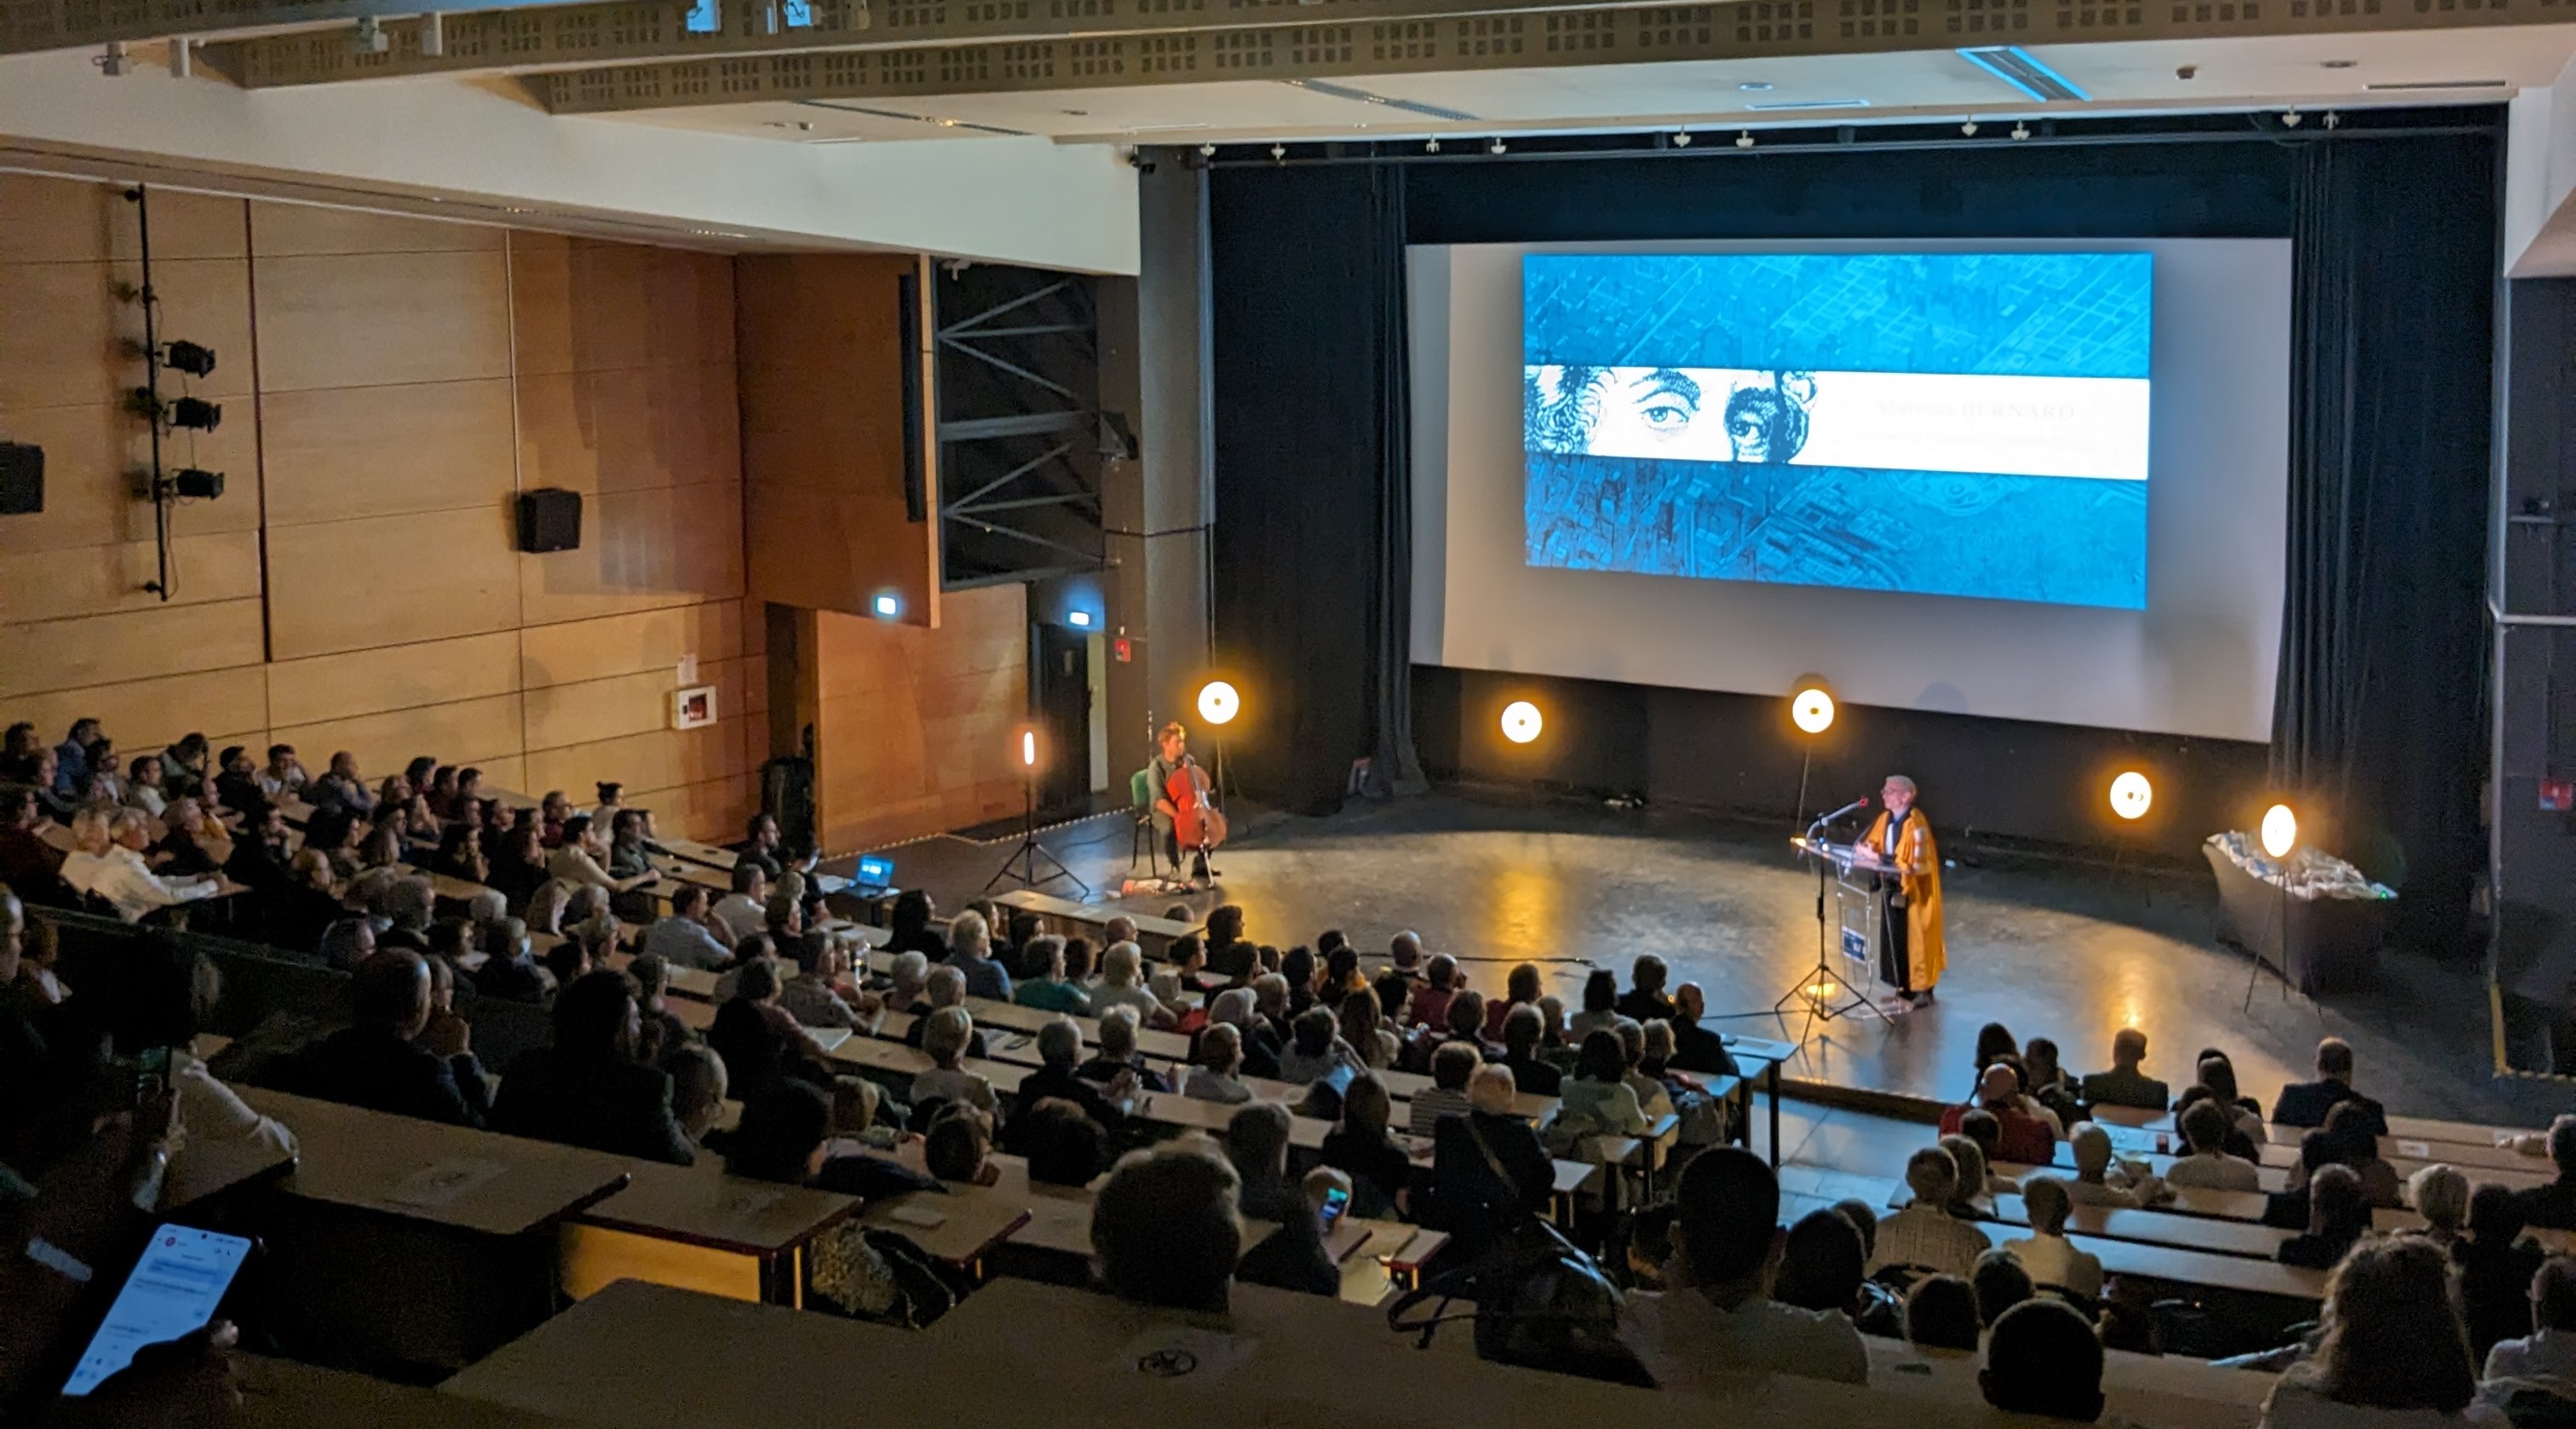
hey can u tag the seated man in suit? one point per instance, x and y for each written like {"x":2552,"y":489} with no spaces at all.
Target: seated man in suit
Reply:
{"x":2124,"y":1084}
{"x":587,"y":1089}
{"x":2553,"y":1207}
{"x":2306,"y":1103}
{"x":399,"y":1056}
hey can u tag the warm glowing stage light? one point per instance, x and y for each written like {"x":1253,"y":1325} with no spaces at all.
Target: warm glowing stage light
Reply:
{"x":1812,"y":709}
{"x":2280,"y":831}
{"x":1821,"y":989}
{"x":1521,"y":722}
{"x":1218,"y":702}
{"x":2132,"y":795}
{"x":1029,"y":748}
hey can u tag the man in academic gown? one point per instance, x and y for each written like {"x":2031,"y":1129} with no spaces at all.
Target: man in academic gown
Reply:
{"x":1910,"y":953}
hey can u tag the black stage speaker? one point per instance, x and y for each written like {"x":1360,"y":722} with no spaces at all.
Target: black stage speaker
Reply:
{"x":549,"y":520}
{"x":22,"y":479}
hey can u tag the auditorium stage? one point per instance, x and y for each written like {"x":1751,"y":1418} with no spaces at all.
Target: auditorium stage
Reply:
{"x":2068,"y":951}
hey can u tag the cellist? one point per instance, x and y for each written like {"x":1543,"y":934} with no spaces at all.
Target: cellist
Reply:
{"x":1172,"y":754}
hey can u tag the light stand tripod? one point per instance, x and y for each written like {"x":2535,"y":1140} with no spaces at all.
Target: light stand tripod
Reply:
{"x":1816,"y":987}
{"x":1022,"y":866}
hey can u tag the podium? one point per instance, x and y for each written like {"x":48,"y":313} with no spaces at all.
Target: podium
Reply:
{"x":1852,"y":937}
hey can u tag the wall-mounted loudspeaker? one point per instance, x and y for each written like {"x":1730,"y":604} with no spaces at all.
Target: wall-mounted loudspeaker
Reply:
{"x":22,"y":479}
{"x":549,"y":520}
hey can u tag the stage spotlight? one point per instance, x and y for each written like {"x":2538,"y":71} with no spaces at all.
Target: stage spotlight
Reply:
{"x":1207,"y":151}
{"x":887,"y":605}
{"x":1278,"y":153}
{"x":2020,"y":130}
{"x":190,"y":358}
{"x":1431,"y":146}
{"x":1681,"y":139}
{"x":2280,"y":831}
{"x":2290,"y":119}
{"x":2131,"y":795}
{"x":1968,"y":128}
{"x":1521,"y":722}
{"x":1812,"y":708}
{"x":195,"y":484}
{"x":1028,"y":749}
{"x":1219,"y":702}
{"x":1498,"y":146}
{"x":1744,"y":140}
{"x":195,"y":414}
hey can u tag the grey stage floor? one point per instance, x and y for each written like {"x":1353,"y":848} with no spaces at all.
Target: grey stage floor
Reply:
{"x":2068,"y":952}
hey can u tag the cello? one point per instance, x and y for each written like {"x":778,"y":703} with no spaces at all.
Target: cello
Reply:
{"x":1196,"y":822}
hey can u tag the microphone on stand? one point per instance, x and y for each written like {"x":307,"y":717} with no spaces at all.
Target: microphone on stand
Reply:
{"x":1853,"y":807}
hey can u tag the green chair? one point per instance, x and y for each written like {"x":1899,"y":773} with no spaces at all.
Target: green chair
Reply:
{"x":1140,"y":801}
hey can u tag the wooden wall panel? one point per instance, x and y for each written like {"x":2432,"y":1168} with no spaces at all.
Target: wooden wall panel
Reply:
{"x":335,"y":454}
{"x":641,"y":550}
{"x":364,"y":682}
{"x":98,"y":580}
{"x":298,"y":230}
{"x":57,"y":221}
{"x":92,"y":457}
{"x":78,"y":355}
{"x":135,"y":645}
{"x":820,"y":366}
{"x":474,"y":732}
{"x":720,"y":808}
{"x":589,"y":306}
{"x":380,"y":319}
{"x":628,"y":429}
{"x":560,"y":716}
{"x":390,"y":580}
{"x":660,"y":759}
{"x":631,"y":644}
{"x":152,"y":714}
{"x":913,"y":726}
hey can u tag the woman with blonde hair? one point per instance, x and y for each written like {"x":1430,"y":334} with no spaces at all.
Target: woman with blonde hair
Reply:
{"x":1363,"y":1027}
{"x":1122,"y":971}
{"x":945,"y":1038}
{"x":2440,"y":1194}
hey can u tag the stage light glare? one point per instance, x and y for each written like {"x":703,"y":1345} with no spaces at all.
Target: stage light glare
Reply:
{"x":2280,"y":831}
{"x":887,"y":606}
{"x":1812,"y":709}
{"x":2131,"y":795}
{"x":1218,"y":702}
{"x":1078,"y":619}
{"x":1029,"y":748}
{"x":1521,"y":722}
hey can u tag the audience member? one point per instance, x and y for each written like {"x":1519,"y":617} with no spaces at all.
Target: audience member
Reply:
{"x":398,"y":1055}
{"x":1236,"y":1008}
{"x":2545,"y":1359}
{"x":911,"y":926}
{"x":510,"y":970}
{"x":2055,"y":1263}
{"x":1059,"y":1045}
{"x":1597,"y":1100}
{"x":2389,"y":1341}
{"x":945,"y":1039}
{"x":577,"y":861}
{"x":1122,"y":985}
{"x":106,"y":863}
{"x":1118,"y":1056}
{"x":2496,"y":1266}
{"x":1925,"y":1237}
{"x":698,"y":1089}
{"x":1229,"y":956}
{"x":2124,"y":1084}
{"x":2338,"y":1216}
{"x":1291,"y":1257}
{"x":1522,"y":1033}
{"x":1380,"y":1168}
{"x":1976,"y":1192}
{"x":1600,"y":1006}
{"x":760,"y":1043}
{"x":1823,"y":1263}
{"x":1452,"y":1067}
{"x":1721,"y":1319}
{"x":1165,"y":1230}
{"x":588,"y":1089}
{"x":958,"y":1148}
{"x":1941,"y":1314}
{"x":1645,"y":998}
{"x":2020,"y":1136}
{"x":2206,"y":1126}
{"x":1489,"y":1170}
{"x":2000,"y":1283}
{"x":2553,"y":1206}
{"x":2440,"y":1194}
{"x":1696,"y":1048}
{"x":1047,"y":987}
{"x":970,"y":952}
{"x":1215,"y":1075}
{"x":2348,"y":1129}
{"x":1431,"y":1000}
{"x":2307,"y":1103}
{"x":1062,"y":1146}
{"x":2043,"y":1358}
{"x":813,"y":995}
{"x":944,"y":987}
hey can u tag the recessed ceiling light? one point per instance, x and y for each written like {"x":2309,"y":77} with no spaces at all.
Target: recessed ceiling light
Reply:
{"x":1754,"y":86}
{"x":2339,"y":64}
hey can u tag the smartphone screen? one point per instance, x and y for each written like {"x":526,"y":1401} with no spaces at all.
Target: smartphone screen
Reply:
{"x":1336,"y":1201}
{"x":173,"y":1292}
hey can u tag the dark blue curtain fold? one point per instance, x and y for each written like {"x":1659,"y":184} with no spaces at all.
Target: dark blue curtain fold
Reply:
{"x":2378,"y":717}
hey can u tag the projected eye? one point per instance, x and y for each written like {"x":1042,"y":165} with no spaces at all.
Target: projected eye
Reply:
{"x":1667,"y":415}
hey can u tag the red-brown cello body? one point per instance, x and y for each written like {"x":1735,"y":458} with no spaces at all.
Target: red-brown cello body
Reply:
{"x":1196,"y":823}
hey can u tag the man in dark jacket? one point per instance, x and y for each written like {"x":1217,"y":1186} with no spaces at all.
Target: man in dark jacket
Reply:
{"x":587,"y":1089}
{"x":396,"y":1057}
{"x":2306,"y":1103}
{"x":1059,"y":1052}
{"x":1489,"y":1170}
{"x":1695,"y":1048}
{"x":1292,"y":1257}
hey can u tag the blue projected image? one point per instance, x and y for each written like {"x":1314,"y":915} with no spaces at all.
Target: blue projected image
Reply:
{"x":1944,"y":423}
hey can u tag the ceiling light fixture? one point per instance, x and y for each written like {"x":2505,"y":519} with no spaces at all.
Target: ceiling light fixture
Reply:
{"x":1207,"y":151}
{"x":1968,"y":128}
{"x":1754,"y":86}
{"x":1496,"y":147}
{"x":1278,"y":153}
{"x":2020,"y":130}
{"x":2290,"y":118}
{"x":1431,"y":146}
{"x":1744,"y":140}
{"x":1681,"y":138}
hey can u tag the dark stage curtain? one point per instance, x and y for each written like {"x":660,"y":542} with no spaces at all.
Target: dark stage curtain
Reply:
{"x":2378,"y":719}
{"x":1314,"y":505}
